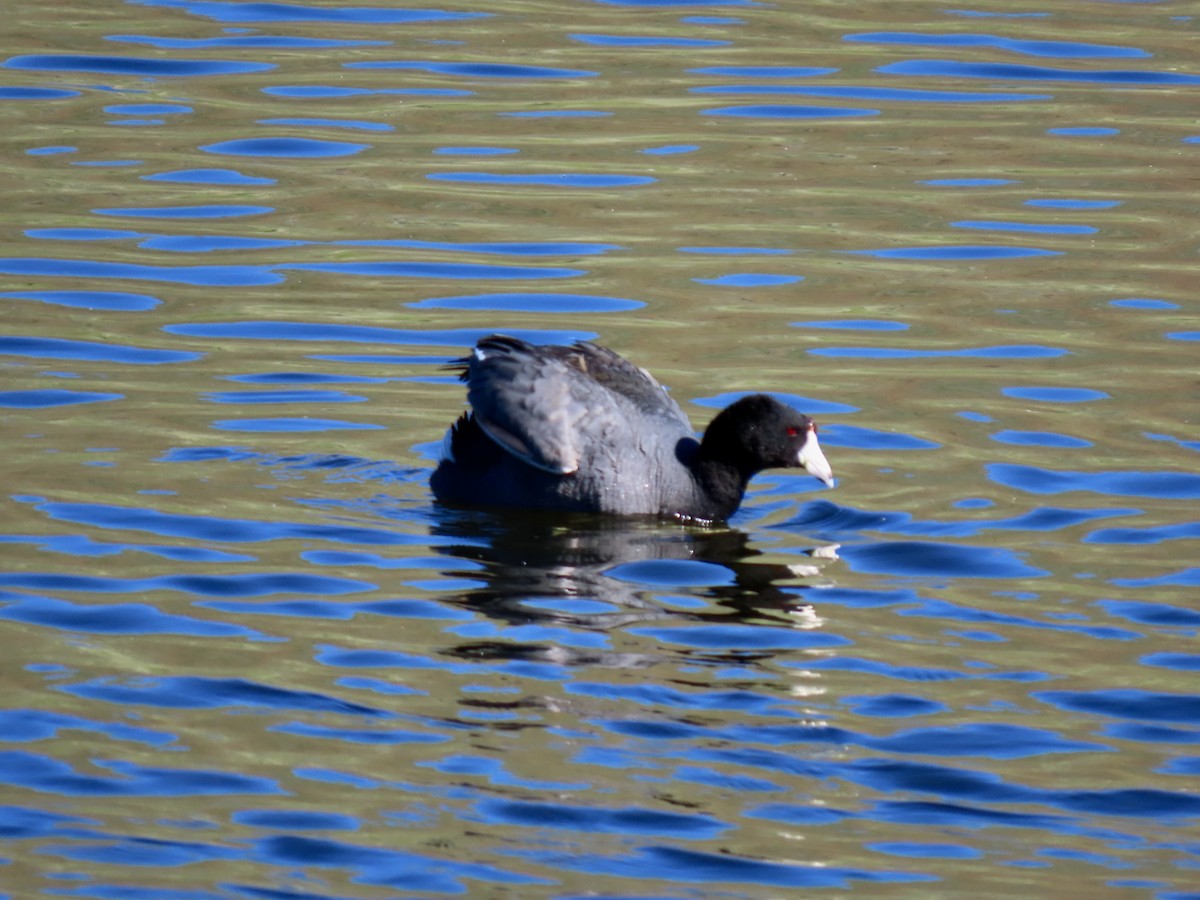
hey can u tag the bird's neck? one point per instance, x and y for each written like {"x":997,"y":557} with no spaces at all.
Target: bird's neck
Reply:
{"x":720,"y":481}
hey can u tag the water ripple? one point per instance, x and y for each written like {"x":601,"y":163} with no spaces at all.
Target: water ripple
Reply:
{"x":336,"y":91}
{"x":552,"y":179}
{"x":246,"y":585}
{"x":227,"y":579}
{"x":50,"y":776}
{"x":1055,"y":394}
{"x":680,"y":866}
{"x":956,"y":69}
{"x":399,"y":870}
{"x":764,"y":71}
{"x":925,"y":559}
{"x":434,"y":270}
{"x":59,"y":348}
{"x":867,"y":92}
{"x":477,"y":69}
{"x":1166,"y":485}
{"x":855,"y":325}
{"x":1040,"y":439}
{"x":210,"y":276}
{"x":809,"y":405}
{"x":1148,"y":535}
{"x":189,"y":692}
{"x":27,"y":725}
{"x":1025,"y":227}
{"x":362,"y":334}
{"x":1128,"y":703}
{"x":750,"y":279}
{"x":315,"y":122}
{"x":210,"y":528}
{"x":111,"y":301}
{"x":112,"y":618}
{"x":12,"y":92}
{"x":269,"y":41}
{"x":845,"y":521}
{"x":131,"y":65}
{"x":50,"y":398}
{"x":616,"y":40}
{"x":551,"y":304}
{"x":285,"y":147}
{"x":226,"y":11}
{"x":1018,"y":351}
{"x":148,"y":109}
{"x":256,"y":397}
{"x":1062,"y":49}
{"x":293,"y":425}
{"x":185,"y":212}
{"x":957,"y":252}
{"x":858,"y":436}
{"x":790,"y":111}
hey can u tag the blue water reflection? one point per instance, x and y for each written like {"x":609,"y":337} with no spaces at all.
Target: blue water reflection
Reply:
{"x":865,"y":92}
{"x":790,"y":111}
{"x":958,"y":253}
{"x":475,"y":151}
{"x":477,"y":70}
{"x":1016,"y":351}
{"x":209,"y":177}
{"x":616,"y":40}
{"x":147,"y":109}
{"x":114,"y":618}
{"x":186,"y":212}
{"x":248,"y":654}
{"x":50,"y":398}
{"x":551,"y":304}
{"x":294,"y":396}
{"x":959,"y":69}
{"x":212,"y":276}
{"x":115,"y":301}
{"x":285,"y":147}
{"x":242,"y":40}
{"x":10,"y":92}
{"x":765,"y":71}
{"x":302,"y":424}
{"x":1176,"y":485}
{"x":856,"y":325}
{"x":1040,"y":439}
{"x":348,"y":124}
{"x":555,"y":179}
{"x":750,"y":279}
{"x":61,"y":348}
{"x":127,"y":65}
{"x":1055,"y":394}
{"x":226,"y":11}
{"x":1059,"y":49}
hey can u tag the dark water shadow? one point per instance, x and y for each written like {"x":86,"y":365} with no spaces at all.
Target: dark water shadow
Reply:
{"x":522,"y":561}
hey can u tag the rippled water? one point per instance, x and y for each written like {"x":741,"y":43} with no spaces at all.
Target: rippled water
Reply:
{"x":247,"y":656}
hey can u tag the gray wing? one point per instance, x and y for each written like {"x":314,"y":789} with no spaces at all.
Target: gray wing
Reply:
{"x":531,"y":403}
{"x":546,"y":405}
{"x":622,"y":377}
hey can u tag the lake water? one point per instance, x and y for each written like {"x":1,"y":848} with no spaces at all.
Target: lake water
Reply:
{"x":247,"y":656}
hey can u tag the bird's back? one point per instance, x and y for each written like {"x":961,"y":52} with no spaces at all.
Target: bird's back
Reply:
{"x":566,"y":427}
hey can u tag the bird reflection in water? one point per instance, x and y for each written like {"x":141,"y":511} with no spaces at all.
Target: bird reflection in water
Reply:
{"x":525,"y":565}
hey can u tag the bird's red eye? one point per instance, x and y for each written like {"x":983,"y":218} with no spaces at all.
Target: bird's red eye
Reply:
{"x":792,"y":431}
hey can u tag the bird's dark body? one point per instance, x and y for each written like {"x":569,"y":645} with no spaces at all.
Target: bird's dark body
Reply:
{"x":580,"y":428}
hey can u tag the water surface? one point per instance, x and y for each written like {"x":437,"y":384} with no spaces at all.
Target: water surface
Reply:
{"x":248,"y":656}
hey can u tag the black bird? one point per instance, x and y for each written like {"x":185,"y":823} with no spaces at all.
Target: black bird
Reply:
{"x":582,"y":429}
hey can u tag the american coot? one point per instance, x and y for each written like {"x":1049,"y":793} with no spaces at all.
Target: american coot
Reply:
{"x":580,"y":428}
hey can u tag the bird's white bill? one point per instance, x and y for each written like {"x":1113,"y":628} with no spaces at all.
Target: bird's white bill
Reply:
{"x":812,"y":459}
